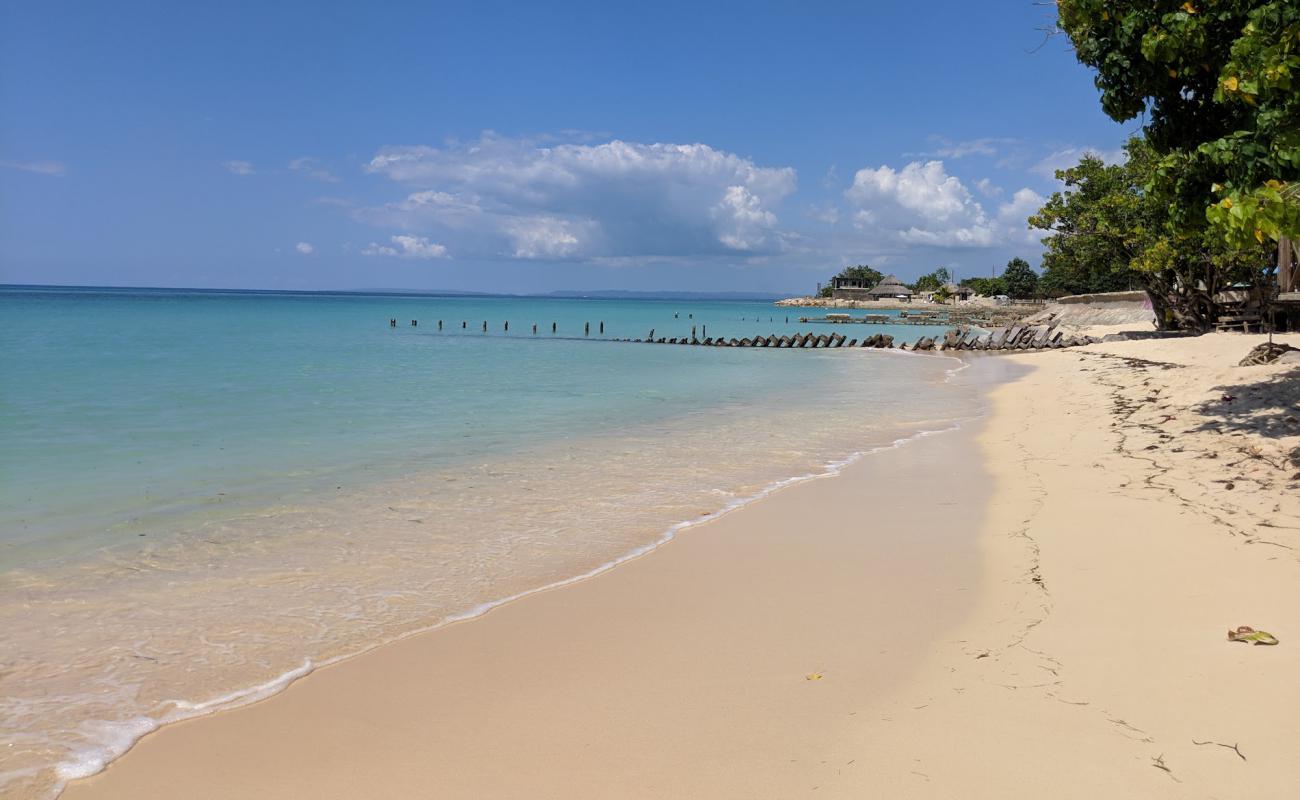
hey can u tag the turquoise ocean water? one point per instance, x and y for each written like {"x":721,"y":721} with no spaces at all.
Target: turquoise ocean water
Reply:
{"x":205,"y":495}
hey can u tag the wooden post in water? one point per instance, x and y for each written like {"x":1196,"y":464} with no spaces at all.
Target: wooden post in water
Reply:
{"x":704,"y":330}
{"x":485,"y":326}
{"x":552,"y":327}
{"x":463,"y":324}
{"x":534,"y":328}
{"x":507,"y":326}
{"x":586,"y":329}
{"x":439,"y":324}
{"x":602,"y":326}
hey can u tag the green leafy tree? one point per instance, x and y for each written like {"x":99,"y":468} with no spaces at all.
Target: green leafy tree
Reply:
{"x":932,"y":281}
{"x":1020,"y":279}
{"x":862,"y":272}
{"x":1216,"y":82}
{"x":1106,"y":231}
{"x":1093,"y":225}
{"x":985,"y":287}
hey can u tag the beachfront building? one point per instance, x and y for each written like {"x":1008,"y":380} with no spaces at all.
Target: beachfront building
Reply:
{"x":843,"y":288}
{"x":891,"y":288}
{"x":951,"y":292}
{"x":960,"y":293}
{"x":840,"y":282}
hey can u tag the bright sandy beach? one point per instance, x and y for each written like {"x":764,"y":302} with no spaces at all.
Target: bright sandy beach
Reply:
{"x":1035,"y":605}
{"x":622,"y":401}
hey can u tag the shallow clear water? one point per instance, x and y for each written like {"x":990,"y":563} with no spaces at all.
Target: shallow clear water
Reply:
{"x":206,"y":494}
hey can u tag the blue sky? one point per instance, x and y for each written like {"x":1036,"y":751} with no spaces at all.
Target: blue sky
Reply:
{"x":528,"y":147}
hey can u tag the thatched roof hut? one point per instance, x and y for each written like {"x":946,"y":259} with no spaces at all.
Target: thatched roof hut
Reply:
{"x":888,"y":288}
{"x":960,"y":292}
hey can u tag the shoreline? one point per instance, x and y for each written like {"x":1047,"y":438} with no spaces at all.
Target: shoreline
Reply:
{"x":1109,"y":558}
{"x":723,"y":453}
{"x":133,"y":731}
{"x":835,"y":473}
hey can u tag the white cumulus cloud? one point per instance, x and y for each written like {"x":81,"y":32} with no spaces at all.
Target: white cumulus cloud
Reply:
{"x":921,"y":205}
{"x":616,"y":200}
{"x":403,"y":246}
{"x":239,"y":167}
{"x":1014,"y":215}
{"x":305,"y":248}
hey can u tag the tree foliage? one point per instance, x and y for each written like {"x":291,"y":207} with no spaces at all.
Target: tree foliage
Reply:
{"x":985,"y":287}
{"x":1020,"y":279}
{"x":1094,"y":224}
{"x":862,"y":272}
{"x":1107,"y":231}
{"x":1216,"y":80}
{"x":933,"y":281}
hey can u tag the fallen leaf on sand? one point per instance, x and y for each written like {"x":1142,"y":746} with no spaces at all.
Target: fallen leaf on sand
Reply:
{"x":813,"y":676}
{"x":1245,"y":633}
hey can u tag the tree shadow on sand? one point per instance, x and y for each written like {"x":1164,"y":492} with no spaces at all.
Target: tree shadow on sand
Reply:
{"x":1269,"y":408}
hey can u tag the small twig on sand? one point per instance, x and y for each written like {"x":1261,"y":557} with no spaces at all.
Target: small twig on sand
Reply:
{"x":1231,"y":747}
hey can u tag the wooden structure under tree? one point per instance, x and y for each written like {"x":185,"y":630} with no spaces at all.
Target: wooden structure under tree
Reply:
{"x":1285,"y":311}
{"x":1288,"y":267}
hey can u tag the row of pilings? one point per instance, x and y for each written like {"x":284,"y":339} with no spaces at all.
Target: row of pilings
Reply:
{"x":797,"y":341}
{"x":1017,"y":337}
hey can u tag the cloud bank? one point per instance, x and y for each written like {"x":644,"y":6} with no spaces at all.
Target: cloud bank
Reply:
{"x":630,"y":203}
{"x":618,"y":200}
{"x":922,"y":205}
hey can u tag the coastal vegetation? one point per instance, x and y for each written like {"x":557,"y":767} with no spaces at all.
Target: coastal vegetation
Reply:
{"x":929,"y":282}
{"x":1210,"y":187}
{"x":1018,"y":281}
{"x":1108,"y":231}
